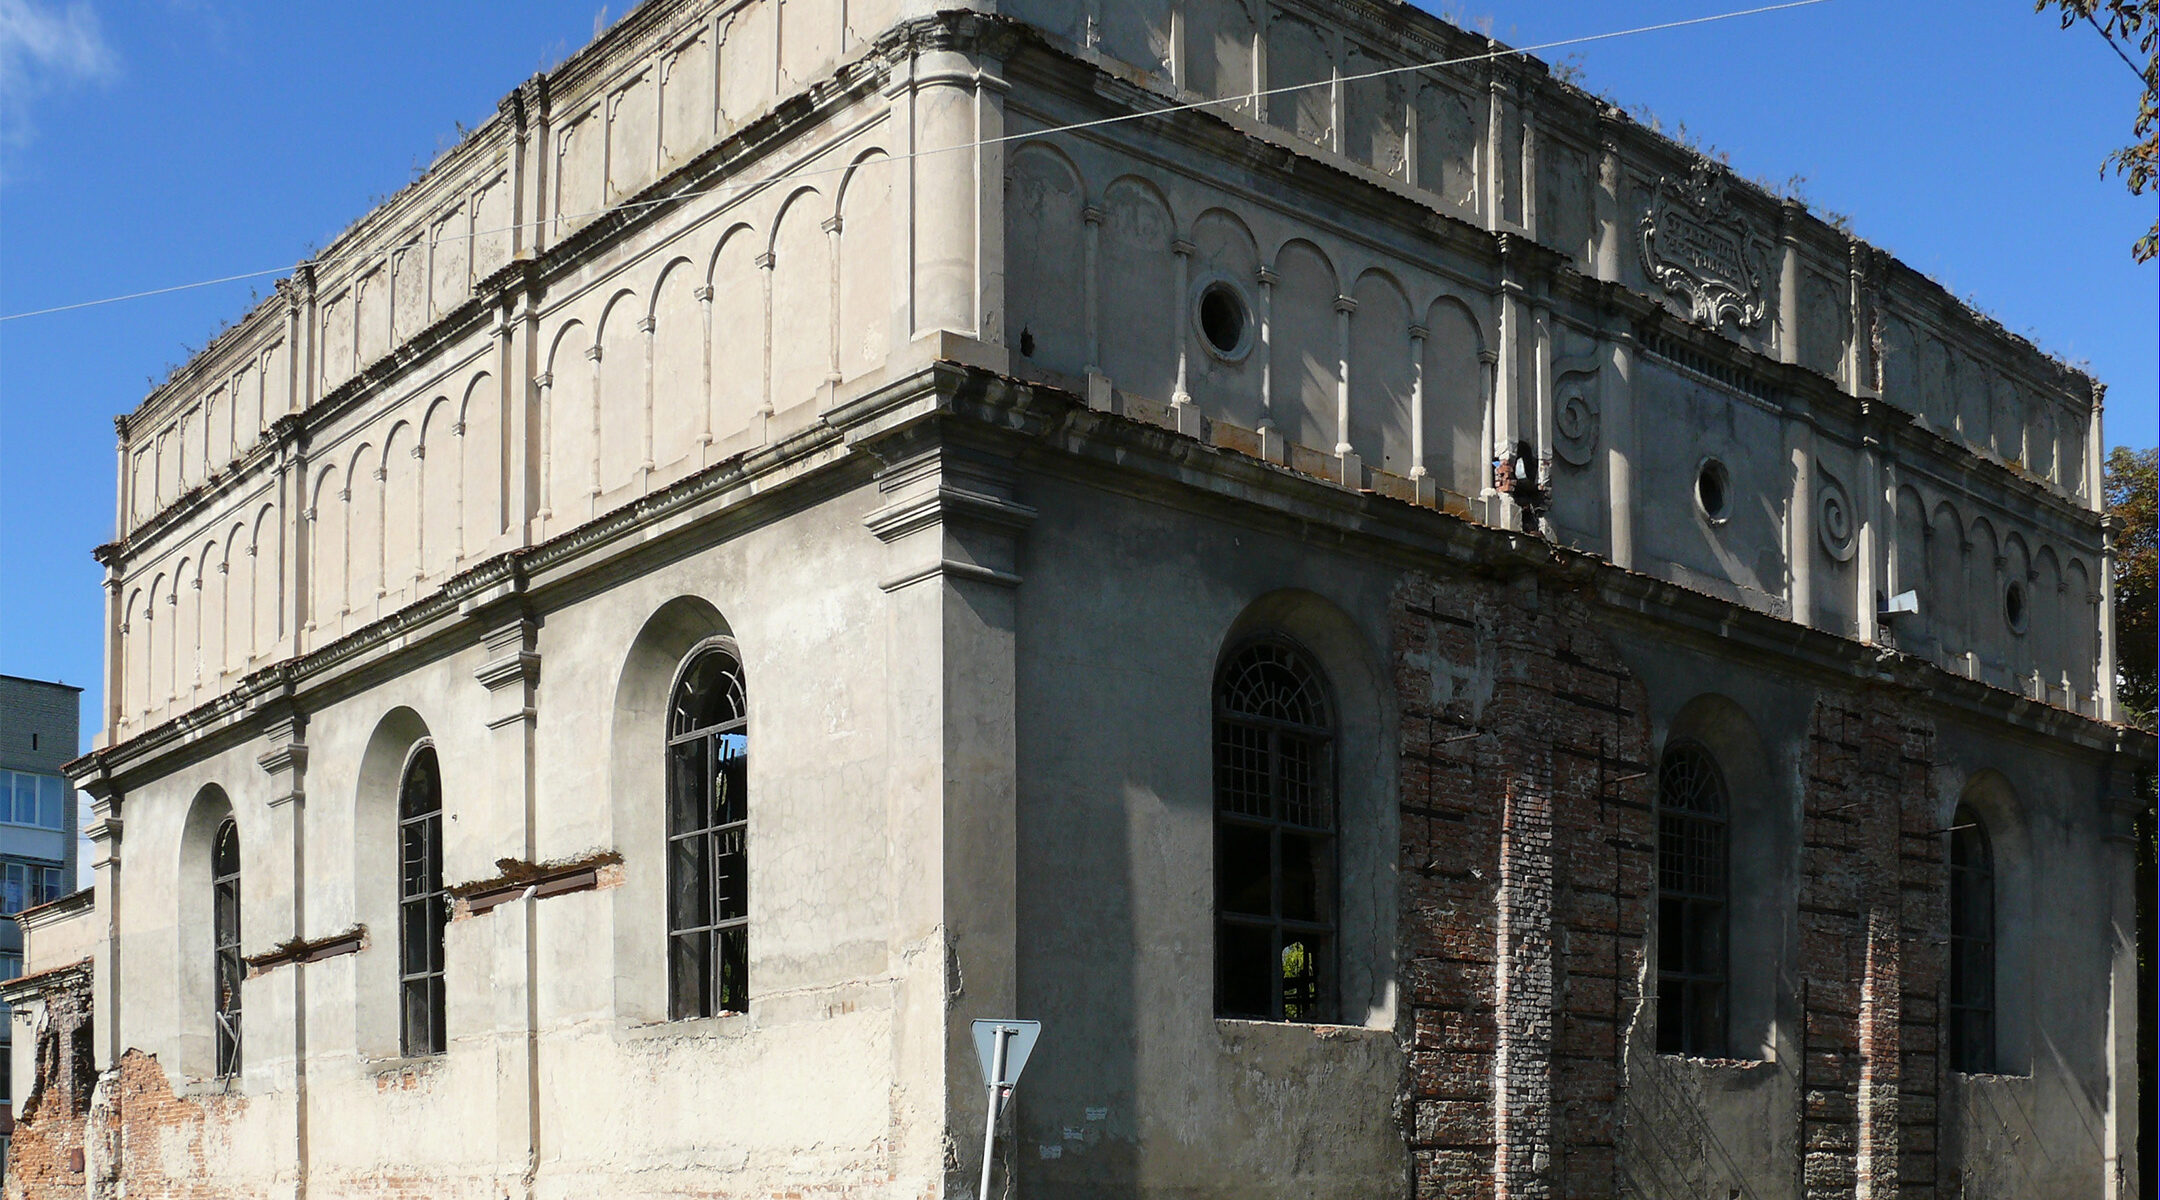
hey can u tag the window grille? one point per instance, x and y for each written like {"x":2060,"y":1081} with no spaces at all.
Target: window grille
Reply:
{"x":423,"y":909}
{"x":227,"y":969}
{"x":1972,"y":944}
{"x":1693,"y":899}
{"x":1275,"y":869}
{"x":708,"y":811}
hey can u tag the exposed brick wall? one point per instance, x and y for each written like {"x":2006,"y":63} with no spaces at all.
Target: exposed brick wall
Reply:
{"x":1528,"y":856}
{"x":1526,"y":868}
{"x":144,"y":1129}
{"x":45,"y":1153}
{"x":1873,"y":926}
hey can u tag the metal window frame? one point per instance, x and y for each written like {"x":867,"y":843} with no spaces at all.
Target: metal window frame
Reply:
{"x":425,"y":985}
{"x":225,"y":959}
{"x":1971,"y":1000}
{"x":725,"y":939}
{"x":1683,"y":990}
{"x":1323,"y":738}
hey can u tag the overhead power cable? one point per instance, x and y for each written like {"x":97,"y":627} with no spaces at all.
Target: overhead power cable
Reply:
{"x":794,"y":173}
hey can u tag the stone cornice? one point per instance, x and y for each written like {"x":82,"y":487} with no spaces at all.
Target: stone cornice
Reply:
{"x":1121,"y":453}
{"x":26,"y":989}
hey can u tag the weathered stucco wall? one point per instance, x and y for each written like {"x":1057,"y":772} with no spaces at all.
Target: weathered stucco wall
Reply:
{"x":1394,"y":340}
{"x":941,"y":430}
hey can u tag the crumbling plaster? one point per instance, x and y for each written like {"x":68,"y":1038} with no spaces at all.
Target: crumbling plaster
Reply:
{"x":980,"y":621}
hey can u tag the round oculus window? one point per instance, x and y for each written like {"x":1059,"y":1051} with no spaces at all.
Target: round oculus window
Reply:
{"x":1224,"y":321}
{"x":1713,"y":489}
{"x":2014,"y":608}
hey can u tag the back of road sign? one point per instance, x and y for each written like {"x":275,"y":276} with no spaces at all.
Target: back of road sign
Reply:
{"x":1017,"y":1045}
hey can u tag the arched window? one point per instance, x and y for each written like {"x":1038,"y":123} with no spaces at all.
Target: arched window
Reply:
{"x":708,"y":813}
{"x":423,"y":909}
{"x":1692,"y":903}
{"x":1972,"y":944}
{"x":1274,"y":837}
{"x":226,"y":967}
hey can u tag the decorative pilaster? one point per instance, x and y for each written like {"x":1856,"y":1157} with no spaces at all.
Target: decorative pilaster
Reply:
{"x":704,"y":297}
{"x":646,"y":325}
{"x":763,"y":420}
{"x":1616,"y":410}
{"x":545,"y":482}
{"x":1790,"y":217}
{"x":592,"y":435}
{"x":1272,"y":448}
{"x":275,"y":899}
{"x":1421,"y":480}
{"x":831,"y":226}
{"x":1606,"y":202}
{"x":1352,"y":471}
{"x":951,"y":530}
{"x":501,"y":817}
{"x":1183,"y":415}
{"x":1099,"y":386}
{"x":1869,"y":558}
{"x":106,"y":802}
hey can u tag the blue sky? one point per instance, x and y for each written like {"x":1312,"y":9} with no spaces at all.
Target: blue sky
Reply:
{"x":156,"y":142}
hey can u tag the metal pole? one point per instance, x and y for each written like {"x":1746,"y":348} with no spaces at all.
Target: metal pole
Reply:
{"x":997,"y":1088}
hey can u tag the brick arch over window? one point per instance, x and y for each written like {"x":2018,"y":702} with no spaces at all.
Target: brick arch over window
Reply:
{"x":637,"y":784}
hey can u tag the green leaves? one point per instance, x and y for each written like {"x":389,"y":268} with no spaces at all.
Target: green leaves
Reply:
{"x":2127,"y":25}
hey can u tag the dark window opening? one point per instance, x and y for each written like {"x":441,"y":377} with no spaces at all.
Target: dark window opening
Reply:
{"x":1713,"y":489}
{"x":1275,"y":868}
{"x":227,"y":968}
{"x":1692,"y":903}
{"x":1222,"y":318}
{"x":423,"y":908}
{"x":2014,"y":606}
{"x":708,"y":773}
{"x":1972,"y":944}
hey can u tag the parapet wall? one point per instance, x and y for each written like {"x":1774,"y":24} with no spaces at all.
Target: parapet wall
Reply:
{"x":694,"y":236}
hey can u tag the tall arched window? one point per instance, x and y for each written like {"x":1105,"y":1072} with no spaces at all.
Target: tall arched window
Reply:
{"x":1275,"y":876}
{"x":708,"y":813}
{"x":1972,"y":944}
{"x":423,"y":909}
{"x":226,"y":968}
{"x":1692,"y":903}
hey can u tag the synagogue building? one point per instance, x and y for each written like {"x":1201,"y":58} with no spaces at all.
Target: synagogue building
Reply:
{"x":1441,"y":643}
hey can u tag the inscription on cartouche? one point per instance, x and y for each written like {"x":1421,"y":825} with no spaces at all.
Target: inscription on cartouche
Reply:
{"x":1696,"y":244}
